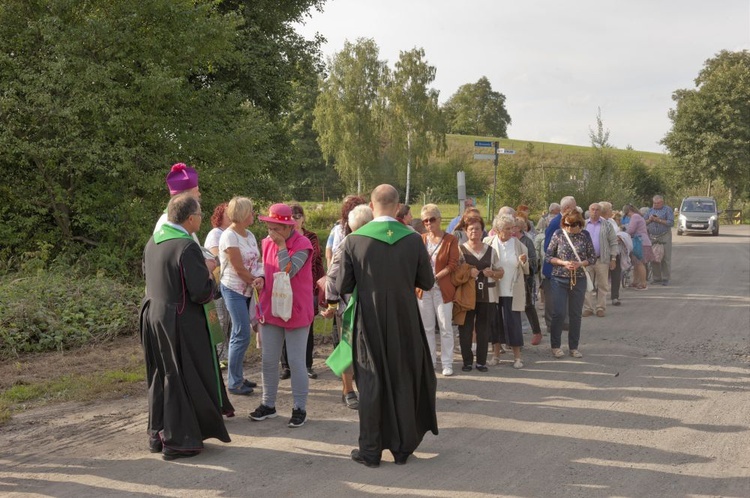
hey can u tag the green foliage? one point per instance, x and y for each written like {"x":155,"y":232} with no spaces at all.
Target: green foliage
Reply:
{"x":101,"y":97}
{"x":46,"y":311}
{"x":413,"y":116}
{"x":348,"y":111}
{"x":475,"y":109}
{"x":711,"y":124}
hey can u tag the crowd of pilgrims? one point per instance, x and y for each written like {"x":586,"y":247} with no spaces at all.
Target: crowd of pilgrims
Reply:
{"x":486,"y":274}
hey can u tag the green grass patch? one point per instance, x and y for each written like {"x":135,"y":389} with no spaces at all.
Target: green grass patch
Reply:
{"x":102,"y":385}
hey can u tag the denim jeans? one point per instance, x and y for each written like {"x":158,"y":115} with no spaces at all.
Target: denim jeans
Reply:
{"x":239,"y":338}
{"x":566,"y":301}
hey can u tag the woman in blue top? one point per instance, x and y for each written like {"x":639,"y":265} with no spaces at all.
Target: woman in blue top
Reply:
{"x":568,"y":284}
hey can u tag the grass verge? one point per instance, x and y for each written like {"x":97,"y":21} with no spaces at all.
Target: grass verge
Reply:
{"x":106,"y":384}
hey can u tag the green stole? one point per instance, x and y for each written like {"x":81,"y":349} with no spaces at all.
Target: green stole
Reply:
{"x":168,"y":232}
{"x":342,"y":357}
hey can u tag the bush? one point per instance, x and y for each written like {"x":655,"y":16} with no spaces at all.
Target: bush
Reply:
{"x":45,"y":311}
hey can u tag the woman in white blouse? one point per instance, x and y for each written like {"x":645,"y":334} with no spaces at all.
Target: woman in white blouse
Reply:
{"x":241,"y":272}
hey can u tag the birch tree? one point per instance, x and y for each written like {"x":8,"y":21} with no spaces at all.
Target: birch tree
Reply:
{"x":414,"y":118}
{"x":347,"y":111}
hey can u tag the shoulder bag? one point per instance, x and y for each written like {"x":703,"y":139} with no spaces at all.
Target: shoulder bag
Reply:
{"x":589,"y":283}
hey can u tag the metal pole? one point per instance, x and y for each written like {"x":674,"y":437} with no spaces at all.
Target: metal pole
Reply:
{"x":491,"y":214}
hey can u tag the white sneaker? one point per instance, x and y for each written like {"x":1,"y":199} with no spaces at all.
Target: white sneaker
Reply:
{"x":575,"y":353}
{"x":557,"y":353}
{"x":447,"y":371}
{"x":493,"y":361}
{"x":518,"y":364}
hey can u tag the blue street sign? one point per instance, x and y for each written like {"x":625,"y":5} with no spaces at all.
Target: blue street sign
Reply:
{"x":480,"y":143}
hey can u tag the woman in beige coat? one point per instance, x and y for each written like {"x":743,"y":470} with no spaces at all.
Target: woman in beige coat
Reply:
{"x":514,"y":259}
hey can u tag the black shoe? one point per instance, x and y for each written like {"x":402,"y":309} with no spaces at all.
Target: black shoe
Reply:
{"x":263,"y":412}
{"x":285,"y":374}
{"x":169,"y":454}
{"x":482,"y":368}
{"x":249,"y":383}
{"x":154,"y":444}
{"x":350,"y":400}
{"x":299,"y":417}
{"x":360,"y":459}
{"x":466,"y":368}
{"x":400,"y":458}
{"x":311,"y":373}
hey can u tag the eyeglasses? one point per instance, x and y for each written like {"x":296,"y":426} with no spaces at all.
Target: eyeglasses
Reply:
{"x":429,"y":220}
{"x":573,"y":225}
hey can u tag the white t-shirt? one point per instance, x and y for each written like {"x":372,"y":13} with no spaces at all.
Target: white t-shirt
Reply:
{"x":250,"y":259}
{"x":213,"y":237}
{"x":509,"y":261}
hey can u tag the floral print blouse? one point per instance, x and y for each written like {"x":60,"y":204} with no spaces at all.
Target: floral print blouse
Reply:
{"x":560,"y":249}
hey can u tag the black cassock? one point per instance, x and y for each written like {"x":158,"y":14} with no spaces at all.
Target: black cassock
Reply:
{"x":186,"y":396}
{"x":392,"y":365}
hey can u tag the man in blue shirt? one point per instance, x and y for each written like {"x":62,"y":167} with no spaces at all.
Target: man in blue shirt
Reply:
{"x":659,"y":223}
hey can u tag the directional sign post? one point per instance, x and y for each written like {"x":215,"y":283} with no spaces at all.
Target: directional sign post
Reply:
{"x":493,"y":155}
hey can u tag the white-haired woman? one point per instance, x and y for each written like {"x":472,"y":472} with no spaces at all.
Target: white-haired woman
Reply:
{"x":436,"y":304}
{"x":514,"y":259}
{"x":357,"y":218}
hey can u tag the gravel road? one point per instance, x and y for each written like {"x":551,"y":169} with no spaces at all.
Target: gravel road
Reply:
{"x":659,"y":406}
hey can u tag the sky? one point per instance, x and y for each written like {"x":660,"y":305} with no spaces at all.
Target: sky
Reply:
{"x":556,"y":62}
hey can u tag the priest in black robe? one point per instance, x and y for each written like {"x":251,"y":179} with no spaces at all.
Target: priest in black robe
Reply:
{"x":386,"y":261}
{"x":186,"y":391}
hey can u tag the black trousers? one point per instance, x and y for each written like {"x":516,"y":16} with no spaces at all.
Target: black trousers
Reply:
{"x":481,"y":319}
{"x":615,"y":276}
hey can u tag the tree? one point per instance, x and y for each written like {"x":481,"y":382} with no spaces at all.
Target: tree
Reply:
{"x":100,"y":97}
{"x":711,"y":124}
{"x":475,"y":109}
{"x":413,"y":115}
{"x":600,"y":137}
{"x":348,"y":111}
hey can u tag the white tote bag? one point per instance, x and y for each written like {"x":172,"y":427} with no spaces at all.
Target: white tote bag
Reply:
{"x":281,"y":296}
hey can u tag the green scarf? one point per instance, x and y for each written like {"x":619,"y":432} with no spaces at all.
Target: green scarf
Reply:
{"x":342,"y":357}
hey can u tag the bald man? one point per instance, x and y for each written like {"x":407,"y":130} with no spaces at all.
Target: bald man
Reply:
{"x":385,"y":261}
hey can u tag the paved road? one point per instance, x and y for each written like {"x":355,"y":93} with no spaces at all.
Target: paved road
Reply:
{"x":659,"y":406}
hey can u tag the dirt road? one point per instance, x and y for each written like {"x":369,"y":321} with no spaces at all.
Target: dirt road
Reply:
{"x":659,"y":406}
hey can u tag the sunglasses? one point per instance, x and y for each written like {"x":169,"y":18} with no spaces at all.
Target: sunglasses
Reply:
{"x":574,"y":225}
{"x":429,"y":220}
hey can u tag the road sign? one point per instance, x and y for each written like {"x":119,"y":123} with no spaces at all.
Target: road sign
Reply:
{"x":480,"y":143}
{"x":481,"y":157}
{"x":505,"y":151}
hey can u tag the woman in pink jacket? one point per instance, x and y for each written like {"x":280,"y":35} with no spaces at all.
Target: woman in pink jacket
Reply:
{"x":285,"y":250}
